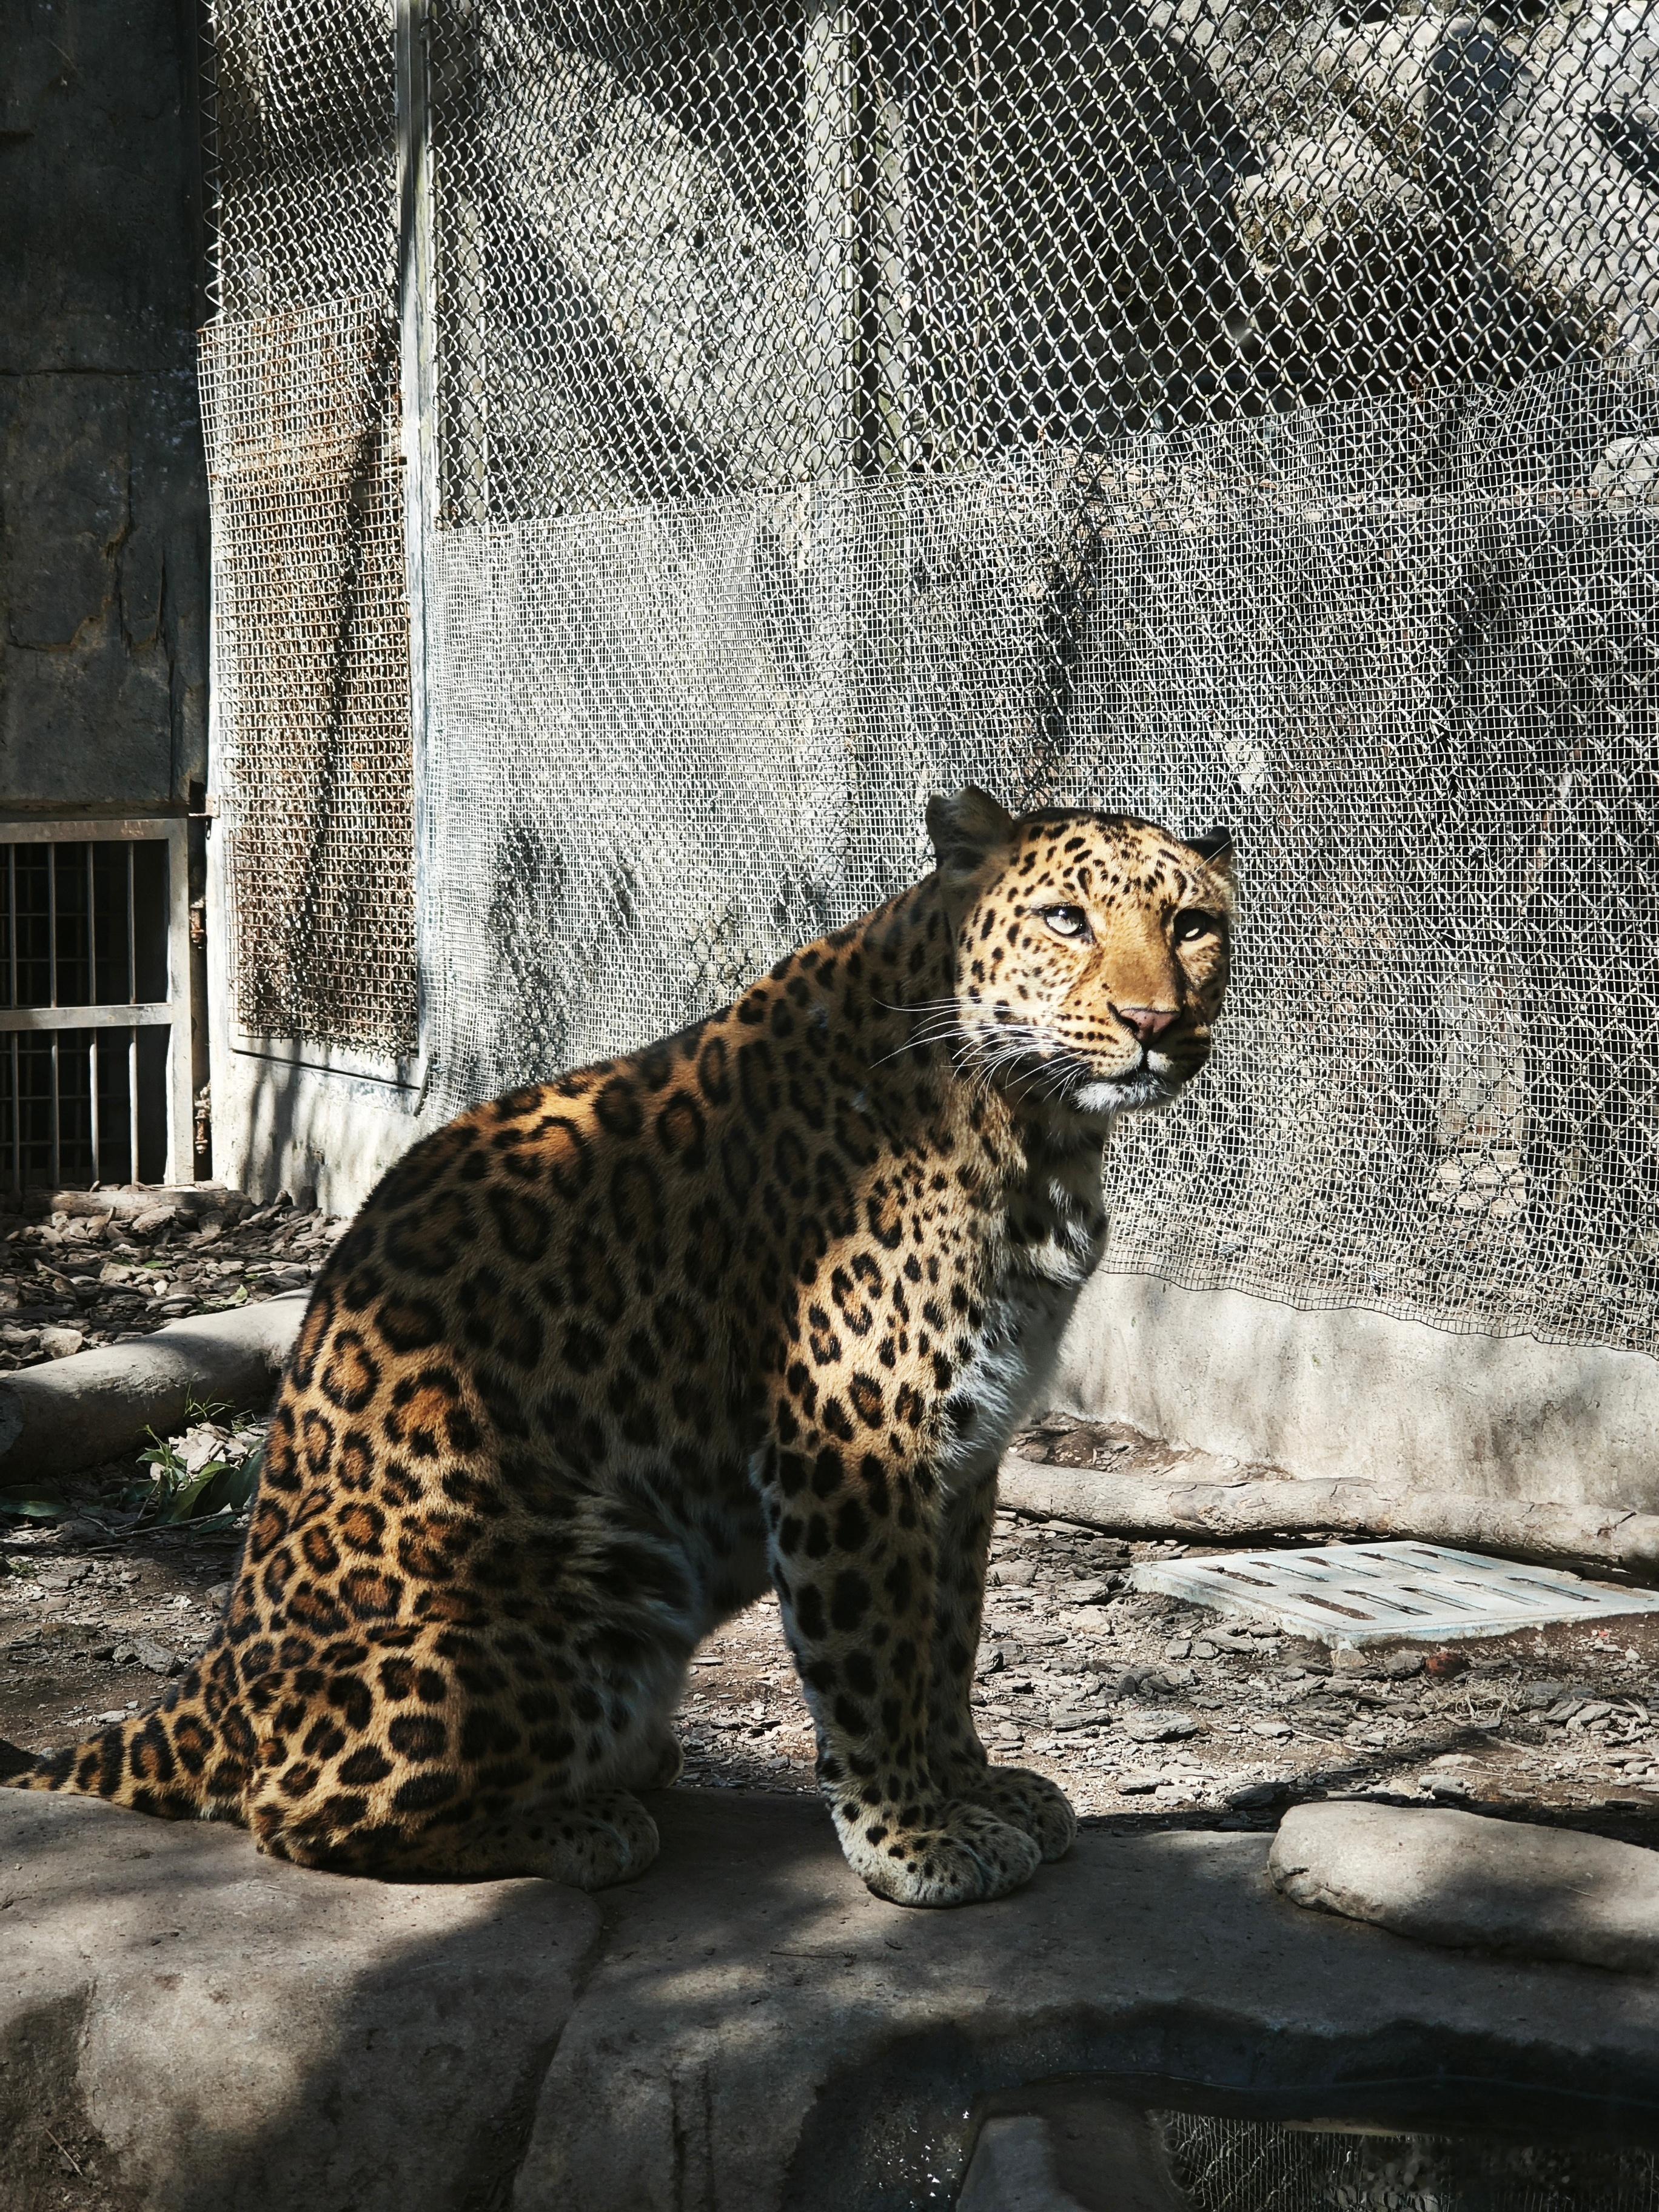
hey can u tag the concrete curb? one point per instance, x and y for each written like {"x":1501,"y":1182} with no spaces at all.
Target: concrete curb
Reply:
{"x":93,"y":1405}
{"x":1469,"y":1883}
{"x":1245,"y":1504}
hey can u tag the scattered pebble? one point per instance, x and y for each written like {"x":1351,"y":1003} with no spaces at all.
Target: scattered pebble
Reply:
{"x":100,"y":1267}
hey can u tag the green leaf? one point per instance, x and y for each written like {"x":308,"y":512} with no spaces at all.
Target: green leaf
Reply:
{"x":189,"y":1493}
{"x":30,"y":1502}
{"x":236,"y":1485}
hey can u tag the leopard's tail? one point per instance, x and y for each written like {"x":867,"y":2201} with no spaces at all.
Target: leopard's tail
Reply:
{"x":170,"y":1761}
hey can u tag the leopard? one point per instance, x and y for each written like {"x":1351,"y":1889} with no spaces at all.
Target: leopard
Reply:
{"x":602,"y":1360}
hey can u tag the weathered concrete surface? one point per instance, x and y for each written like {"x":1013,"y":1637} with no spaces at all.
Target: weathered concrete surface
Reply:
{"x":78,"y":1411}
{"x":743,"y":2030}
{"x":1076,"y":2151}
{"x":1458,"y":1879}
{"x":1359,"y":1395}
{"x":759,"y":2031}
{"x":247,"y":2037}
{"x":103,"y":498}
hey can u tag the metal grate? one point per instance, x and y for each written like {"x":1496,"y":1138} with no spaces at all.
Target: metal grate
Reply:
{"x":1237,"y":411}
{"x":1361,"y":1592}
{"x":95,"y":1020}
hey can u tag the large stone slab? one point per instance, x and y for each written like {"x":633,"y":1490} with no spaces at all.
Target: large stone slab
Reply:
{"x":243,"y":2036}
{"x":1458,"y":1879}
{"x":759,"y":2031}
{"x":743,"y":2030}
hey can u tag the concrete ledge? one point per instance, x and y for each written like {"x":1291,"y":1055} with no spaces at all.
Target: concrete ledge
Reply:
{"x":743,"y":2030}
{"x":210,"y":2031}
{"x":1357,"y":1394}
{"x":75,"y":1412}
{"x":1454,"y":1878}
{"x":1206,"y":1498}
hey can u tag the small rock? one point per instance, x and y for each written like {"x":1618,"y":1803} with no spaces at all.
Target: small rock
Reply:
{"x":111,"y":1719}
{"x":62,"y":1343}
{"x":1399,"y":1664}
{"x":1253,"y":1794}
{"x":1084,"y":1593}
{"x":1588,"y":1714}
{"x":1015,"y":1574}
{"x":1159,"y":1727}
{"x":1181,"y":1648}
{"x":156,"y":1657}
{"x":199,"y":1445}
{"x":1139,"y":1785}
{"x":153,"y":1220}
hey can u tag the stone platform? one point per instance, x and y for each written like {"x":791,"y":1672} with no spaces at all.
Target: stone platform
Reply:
{"x":199,"y":2029}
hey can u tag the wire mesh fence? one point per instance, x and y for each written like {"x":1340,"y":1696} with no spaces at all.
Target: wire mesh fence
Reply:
{"x":1238,"y":412}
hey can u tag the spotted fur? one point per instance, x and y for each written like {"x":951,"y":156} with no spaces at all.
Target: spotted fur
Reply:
{"x":599,"y":1360}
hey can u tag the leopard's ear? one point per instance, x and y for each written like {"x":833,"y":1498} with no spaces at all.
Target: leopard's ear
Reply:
{"x":966,"y":826}
{"x":1216,"y":847}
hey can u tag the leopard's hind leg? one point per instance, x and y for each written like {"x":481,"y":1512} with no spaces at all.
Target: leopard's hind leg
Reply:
{"x":592,"y":1845}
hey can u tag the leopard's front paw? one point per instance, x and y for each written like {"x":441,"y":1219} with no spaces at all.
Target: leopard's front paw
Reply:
{"x":1026,"y":1800}
{"x":962,"y":1856}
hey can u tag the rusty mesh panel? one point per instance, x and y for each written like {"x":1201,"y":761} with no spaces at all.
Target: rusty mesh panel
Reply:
{"x":311,"y":615}
{"x":301,"y":382}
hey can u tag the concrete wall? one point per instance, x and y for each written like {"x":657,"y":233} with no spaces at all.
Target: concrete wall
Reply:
{"x":1357,"y":1394}
{"x":326,"y":1139}
{"x":103,"y":496}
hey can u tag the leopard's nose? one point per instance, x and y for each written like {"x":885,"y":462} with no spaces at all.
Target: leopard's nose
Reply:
{"x":1148,"y":1023}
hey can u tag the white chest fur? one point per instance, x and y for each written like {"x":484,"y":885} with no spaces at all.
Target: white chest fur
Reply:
{"x":1056,"y":1233}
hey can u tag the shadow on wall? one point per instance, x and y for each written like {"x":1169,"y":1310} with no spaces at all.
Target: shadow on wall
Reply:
{"x":326,"y":1140}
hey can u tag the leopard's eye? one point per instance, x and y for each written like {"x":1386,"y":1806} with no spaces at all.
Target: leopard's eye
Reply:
{"x":1067,"y":921}
{"x":1189,"y":926}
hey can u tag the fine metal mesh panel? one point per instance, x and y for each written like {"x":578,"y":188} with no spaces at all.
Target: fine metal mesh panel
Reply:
{"x":1239,"y":413}
{"x":301,"y":387}
{"x":1255,"y":2166}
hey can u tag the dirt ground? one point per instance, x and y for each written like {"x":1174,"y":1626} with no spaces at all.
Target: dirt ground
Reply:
{"x":84,"y":1268}
{"x":1140,"y":1706}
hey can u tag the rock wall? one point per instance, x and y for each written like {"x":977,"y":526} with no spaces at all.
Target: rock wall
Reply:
{"x":103,"y":492}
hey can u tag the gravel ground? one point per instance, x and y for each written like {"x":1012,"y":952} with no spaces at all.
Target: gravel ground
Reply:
{"x":1136,"y":1703}
{"x":1140,"y":1706}
{"x":92,"y":1268}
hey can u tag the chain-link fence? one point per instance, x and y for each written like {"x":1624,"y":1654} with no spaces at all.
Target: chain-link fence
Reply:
{"x":1224,"y":411}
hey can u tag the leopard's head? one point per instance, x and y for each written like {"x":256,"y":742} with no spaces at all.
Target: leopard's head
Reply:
{"x":1091,"y":951}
